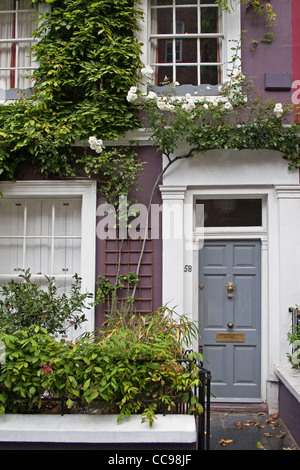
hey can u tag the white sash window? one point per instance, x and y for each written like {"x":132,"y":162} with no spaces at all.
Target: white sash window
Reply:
{"x":186,"y":41}
{"x":41,"y":234}
{"x":189,"y":41}
{"x":49,"y":227}
{"x":17,"y":22}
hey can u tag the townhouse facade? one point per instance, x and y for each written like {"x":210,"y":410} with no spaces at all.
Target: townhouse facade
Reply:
{"x":233,"y":264}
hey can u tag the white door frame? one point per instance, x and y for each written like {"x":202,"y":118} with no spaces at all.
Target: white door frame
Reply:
{"x":180,"y":286}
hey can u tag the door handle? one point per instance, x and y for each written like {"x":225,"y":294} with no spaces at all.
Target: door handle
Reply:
{"x":230,"y":325}
{"x":230,"y":289}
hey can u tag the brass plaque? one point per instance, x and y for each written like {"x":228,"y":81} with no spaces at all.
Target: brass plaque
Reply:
{"x":230,"y":337}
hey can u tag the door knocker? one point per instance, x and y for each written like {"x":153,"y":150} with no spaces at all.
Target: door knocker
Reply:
{"x":230,"y":289}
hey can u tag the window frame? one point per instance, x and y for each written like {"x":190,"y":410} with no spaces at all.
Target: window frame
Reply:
{"x":231,"y":30}
{"x":87,"y":191}
{"x":14,"y":93}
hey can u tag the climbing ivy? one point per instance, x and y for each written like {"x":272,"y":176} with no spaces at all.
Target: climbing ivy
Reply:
{"x":87,"y":58}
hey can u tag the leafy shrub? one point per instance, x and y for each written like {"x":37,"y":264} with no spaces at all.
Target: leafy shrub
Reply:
{"x":125,"y":368}
{"x":294,"y":340}
{"x":26,"y":303}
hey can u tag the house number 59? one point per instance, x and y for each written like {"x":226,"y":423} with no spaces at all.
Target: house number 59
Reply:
{"x":187,"y":268}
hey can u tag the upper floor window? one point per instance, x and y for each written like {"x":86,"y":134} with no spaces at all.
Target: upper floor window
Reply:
{"x":17,"y":22}
{"x":189,"y":42}
{"x":186,"y":41}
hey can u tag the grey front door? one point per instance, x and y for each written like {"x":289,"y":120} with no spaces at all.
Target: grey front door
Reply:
{"x":230,"y":317}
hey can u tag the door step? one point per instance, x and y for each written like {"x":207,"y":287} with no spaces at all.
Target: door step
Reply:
{"x":239,"y":407}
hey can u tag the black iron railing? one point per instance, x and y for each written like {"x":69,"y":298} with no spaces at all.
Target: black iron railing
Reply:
{"x":202,"y":392}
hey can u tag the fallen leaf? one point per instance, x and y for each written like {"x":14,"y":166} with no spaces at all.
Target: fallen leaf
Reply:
{"x":293,"y":447}
{"x":224,"y":442}
{"x":240,"y":425}
{"x":259,"y":445}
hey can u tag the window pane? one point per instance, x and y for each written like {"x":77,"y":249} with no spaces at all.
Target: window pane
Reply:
{"x":188,"y":49}
{"x":163,"y":50}
{"x":186,"y":20}
{"x":66,"y":257}
{"x":11,"y":255}
{"x":68,"y":218}
{"x":163,"y":75}
{"x":231,"y":212}
{"x":11,"y":218}
{"x":186,"y":75}
{"x":161,"y":2}
{"x":209,"y":49}
{"x":209,"y":20}
{"x":38,"y":255}
{"x":39,"y":215}
{"x":162,"y":21}
{"x":186,"y":2}
{"x":210,"y":75}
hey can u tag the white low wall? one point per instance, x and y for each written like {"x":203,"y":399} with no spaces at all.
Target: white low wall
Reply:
{"x":104,"y":429}
{"x":290,"y":378}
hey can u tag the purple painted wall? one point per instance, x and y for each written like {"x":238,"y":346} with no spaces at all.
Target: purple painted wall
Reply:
{"x":289,"y":410}
{"x":268,"y":58}
{"x":152,"y":166}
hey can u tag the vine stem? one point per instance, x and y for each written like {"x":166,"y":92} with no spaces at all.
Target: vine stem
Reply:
{"x":170,"y":162}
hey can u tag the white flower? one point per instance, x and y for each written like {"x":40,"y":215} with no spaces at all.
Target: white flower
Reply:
{"x":92,"y":140}
{"x":189,"y":106}
{"x":228,"y":105}
{"x":131,"y":95}
{"x":151,"y":95}
{"x":164,"y":106}
{"x":295,"y":358}
{"x":96,"y":144}
{"x":176,"y":83}
{"x":146,"y":71}
{"x":278,"y":110}
{"x":205,"y":106}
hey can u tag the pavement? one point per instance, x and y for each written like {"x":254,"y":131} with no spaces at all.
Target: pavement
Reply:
{"x":248,"y":430}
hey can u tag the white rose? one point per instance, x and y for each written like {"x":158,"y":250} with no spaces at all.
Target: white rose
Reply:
{"x":165,"y":106}
{"x":92,"y":139}
{"x":278,"y":110}
{"x":151,"y":95}
{"x":228,"y":105}
{"x":189,"y":106}
{"x":147,"y":70}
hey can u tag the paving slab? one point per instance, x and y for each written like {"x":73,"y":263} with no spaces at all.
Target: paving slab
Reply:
{"x":249,"y":431}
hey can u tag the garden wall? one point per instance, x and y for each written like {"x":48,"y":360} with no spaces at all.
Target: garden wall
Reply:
{"x":96,"y":432}
{"x":289,"y":399}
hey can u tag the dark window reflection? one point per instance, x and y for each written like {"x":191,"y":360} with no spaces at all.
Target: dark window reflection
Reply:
{"x":231,"y":212}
